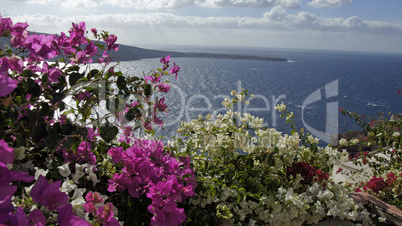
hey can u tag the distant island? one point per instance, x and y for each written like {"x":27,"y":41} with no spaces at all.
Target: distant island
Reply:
{"x":128,"y":53}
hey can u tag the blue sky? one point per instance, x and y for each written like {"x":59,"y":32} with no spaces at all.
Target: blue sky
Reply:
{"x":355,"y":25}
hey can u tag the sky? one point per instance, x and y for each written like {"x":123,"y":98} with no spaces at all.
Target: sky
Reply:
{"x":353,"y":25}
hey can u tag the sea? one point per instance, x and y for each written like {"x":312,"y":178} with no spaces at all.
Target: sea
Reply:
{"x":313,"y":84}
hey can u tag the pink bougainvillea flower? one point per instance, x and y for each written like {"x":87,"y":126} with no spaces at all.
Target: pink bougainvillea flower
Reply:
{"x":95,"y":32}
{"x":19,"y":34}
{"x":93,"y":197}
{"x":175,"y":69}
{"x":149,"y":169}
{"x":18,"y":218}
{"x":15,"y":64}
{"x":148,"y":126}
{"x":157,"y":120}
{"x":7,"y":84}
{"x":53,"y":72}
{"x":82,"y":155}
{"x":165,"y":60}
{"x":160,"y":105}
{"x":169,"y":215}
{"x":111,"y":43}
{"x":105,"y":58}
{"x":5,"y":24}
{"x":66,"y":217}
{"x":105,"y":212}
{"x":7,"y":190}
{"x":6,"y":153}
{"x":18,"y":29}
{"x":49,"y":195}
{"x":90,"y":208}
{"x":391,"y":178}
{"x":303,"y":169}
{"x":81,"y":57}
{"x":376,"y":184}
{"x":77,"y":34}
{"x":82,"y":96}
{"x":153,"y":79}
{"x":85,"y":56}
{"x":91,"y":49}
{"x":164,"y":88}
{"x":41,"y":46}
{"x":37,"y":218}
{"x":21,"y":176}
{"x":320,"y":176}
{"x":116,"y":152}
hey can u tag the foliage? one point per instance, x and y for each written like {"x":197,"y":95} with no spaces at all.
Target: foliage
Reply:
{"x":248,"y":174}
{"x":378,"y":148}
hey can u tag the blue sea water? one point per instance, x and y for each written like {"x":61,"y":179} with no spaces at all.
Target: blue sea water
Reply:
{"x":365,"y":83}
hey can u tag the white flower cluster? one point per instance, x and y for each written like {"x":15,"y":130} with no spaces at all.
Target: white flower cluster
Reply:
{"x":291,"y":204}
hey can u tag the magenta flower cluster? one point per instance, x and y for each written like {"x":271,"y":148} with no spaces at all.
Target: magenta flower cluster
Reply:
{"x":307,"y":172}
{"x":148,"y":172}
{"x":102,"y":214}
{"x":43,"y":193}
{"x":43,"y":47}
{"x":148,"y":169}
{"x":378,"y":184}
{"x":84,"y":153}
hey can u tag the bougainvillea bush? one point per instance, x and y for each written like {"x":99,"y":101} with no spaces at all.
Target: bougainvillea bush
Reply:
{"x":68,"y":155}
{"x":251,"y":175}
{"x":378,"y":148}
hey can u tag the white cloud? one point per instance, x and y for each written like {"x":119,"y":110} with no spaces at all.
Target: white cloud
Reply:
{"x":329,"y":3}
{"x":275,"y":14}
{"x":168,"y":4}
{"x":274,"y":28}
{"x":276,"y":18}
{"x":291,"y":4}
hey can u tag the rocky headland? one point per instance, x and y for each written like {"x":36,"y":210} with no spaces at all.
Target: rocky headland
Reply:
{"x":128,"y":53}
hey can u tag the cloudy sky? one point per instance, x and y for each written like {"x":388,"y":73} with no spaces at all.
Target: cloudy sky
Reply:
{"x":362,"y":25}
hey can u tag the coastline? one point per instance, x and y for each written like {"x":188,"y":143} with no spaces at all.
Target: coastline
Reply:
{"x":129,"y":53}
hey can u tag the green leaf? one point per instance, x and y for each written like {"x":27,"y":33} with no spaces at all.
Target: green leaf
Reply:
{"x":38,"y":132}
{"x":214,"y":180}
{"x":3,"y":133}
{"x":134,"y":78}
{"x":73,"y":68}
{"x":45,"y":109}
{"x":34,"y":90}
{"x":70,"y":142}
{"x":130,"y":115}
{"x":212,"y":189}
{"x":27,"y":73}
{"x":92,"y":73}
{"x":121,"y":82}
{"x":240,"y":197}
{"x":52,"y":140}
{"x":74,"y":77}
{"x":118,"y":73}
{"x":148,"y":90}
{"x":108,"y":132}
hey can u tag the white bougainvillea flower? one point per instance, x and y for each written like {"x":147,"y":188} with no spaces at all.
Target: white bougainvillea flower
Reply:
{"x":64,"y":170}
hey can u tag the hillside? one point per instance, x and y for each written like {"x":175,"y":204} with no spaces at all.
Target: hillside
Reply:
{"x":128,"y":53}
